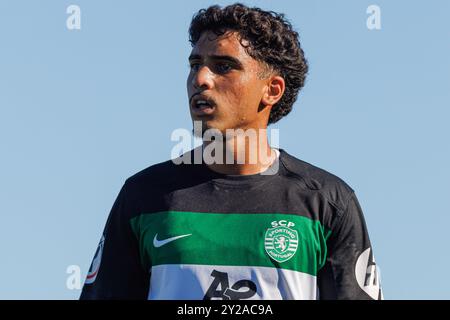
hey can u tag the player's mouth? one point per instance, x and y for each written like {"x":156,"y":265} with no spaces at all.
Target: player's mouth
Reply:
{"x":202,"y":105}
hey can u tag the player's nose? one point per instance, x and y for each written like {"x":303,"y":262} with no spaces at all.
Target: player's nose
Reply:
{"x":203,"y":78}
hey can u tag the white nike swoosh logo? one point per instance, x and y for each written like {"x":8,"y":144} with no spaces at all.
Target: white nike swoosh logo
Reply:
{"x":159,"y":243}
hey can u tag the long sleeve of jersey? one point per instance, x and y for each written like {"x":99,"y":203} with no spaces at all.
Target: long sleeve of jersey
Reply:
{"x":350,"y":271}
{"x":116,"y":271}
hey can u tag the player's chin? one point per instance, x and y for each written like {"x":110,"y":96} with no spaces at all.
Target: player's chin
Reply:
{"x":210,"y":128}
{"x":200,"y":125}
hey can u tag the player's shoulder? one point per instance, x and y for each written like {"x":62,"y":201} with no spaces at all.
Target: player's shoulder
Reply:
{"x":154,"y":174}
{"x":314,"y":178}
{"x":165,"y":173}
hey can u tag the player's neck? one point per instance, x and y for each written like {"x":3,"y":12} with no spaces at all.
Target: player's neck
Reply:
{"x":242,"y":155}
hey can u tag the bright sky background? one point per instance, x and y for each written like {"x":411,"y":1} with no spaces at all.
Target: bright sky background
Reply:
{"x":82,"y":110}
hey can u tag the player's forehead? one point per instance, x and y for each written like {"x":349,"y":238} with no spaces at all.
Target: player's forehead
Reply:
{"x":228,"y":44}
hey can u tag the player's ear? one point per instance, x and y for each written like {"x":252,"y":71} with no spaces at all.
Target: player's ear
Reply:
{"x":273,"y":90}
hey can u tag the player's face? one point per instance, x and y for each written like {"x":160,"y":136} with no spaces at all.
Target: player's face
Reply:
{"x":223,"y":74}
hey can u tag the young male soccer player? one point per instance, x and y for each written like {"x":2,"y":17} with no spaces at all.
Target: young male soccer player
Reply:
{"x":273,"y":228}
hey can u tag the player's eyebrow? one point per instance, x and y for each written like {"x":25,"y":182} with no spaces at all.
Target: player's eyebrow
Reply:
{"x":218,"y":57}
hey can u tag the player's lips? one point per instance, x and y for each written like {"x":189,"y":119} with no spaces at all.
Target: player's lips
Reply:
{"x":202,"y":105}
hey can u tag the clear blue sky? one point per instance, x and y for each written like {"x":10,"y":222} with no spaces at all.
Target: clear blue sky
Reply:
{"x":82,"y":110}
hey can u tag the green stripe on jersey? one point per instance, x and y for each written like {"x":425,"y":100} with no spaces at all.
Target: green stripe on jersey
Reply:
{"x":276,"y":240}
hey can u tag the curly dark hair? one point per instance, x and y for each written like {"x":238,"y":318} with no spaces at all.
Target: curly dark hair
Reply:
{"x":271,"y":40}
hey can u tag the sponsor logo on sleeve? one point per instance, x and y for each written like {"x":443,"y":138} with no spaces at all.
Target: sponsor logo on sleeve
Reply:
{"x":367,"y":275}
{"x":95,"y":266}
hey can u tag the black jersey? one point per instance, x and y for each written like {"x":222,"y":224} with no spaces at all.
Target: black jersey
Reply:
{"x":183,"y":231}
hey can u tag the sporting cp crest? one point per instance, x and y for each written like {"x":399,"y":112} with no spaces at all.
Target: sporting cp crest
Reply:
{"x":281,"y":242}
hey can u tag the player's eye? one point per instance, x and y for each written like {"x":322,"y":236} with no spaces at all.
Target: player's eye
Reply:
{"x":194,"y":66}
{"x":223,"y":67}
